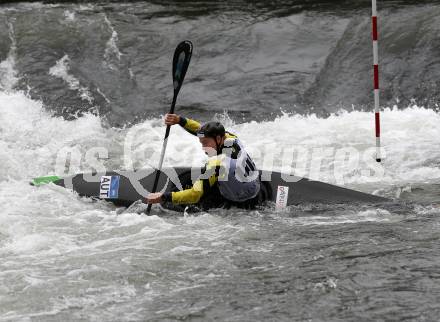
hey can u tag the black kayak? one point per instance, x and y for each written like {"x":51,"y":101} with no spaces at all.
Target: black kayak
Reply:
{"x":123,"y":188}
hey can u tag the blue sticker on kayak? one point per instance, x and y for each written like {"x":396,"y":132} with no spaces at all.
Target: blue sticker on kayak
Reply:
{"x":109,"y":187}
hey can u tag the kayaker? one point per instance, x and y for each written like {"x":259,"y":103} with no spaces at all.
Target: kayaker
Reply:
{"x":230,"y":177}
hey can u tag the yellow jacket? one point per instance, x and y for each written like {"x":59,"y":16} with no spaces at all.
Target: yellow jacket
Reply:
{"x":210,"y":177}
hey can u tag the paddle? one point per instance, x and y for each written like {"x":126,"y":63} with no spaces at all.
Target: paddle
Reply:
{"x":181,"y":59}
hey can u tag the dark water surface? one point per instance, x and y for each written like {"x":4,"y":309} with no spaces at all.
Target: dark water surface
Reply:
{"x":75,"y":76}
{"x":250,"y":58}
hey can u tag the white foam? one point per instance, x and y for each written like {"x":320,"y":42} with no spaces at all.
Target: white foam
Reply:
{"x":8,"y":72}
{"x":111,"y":49}
{"x":131,"y":219}
{"x":102,"y":94}
{"x":69,"y":15}
{"x":328,"y":284}
{"x":412,"y":152}
{"x":30,"y":138}
{"x":86,"y":7}
{"x":30,"y":243}
{"x":183,"y":249}
{"x":346,"y":217}
{"x":61,"y":70}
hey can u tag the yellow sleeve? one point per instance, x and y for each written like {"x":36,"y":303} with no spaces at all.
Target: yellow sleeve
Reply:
{"x":193,"y":194}
{"x":188,"y":196}
{"x":191,"y":126}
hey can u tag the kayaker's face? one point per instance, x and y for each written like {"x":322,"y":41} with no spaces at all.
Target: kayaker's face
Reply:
{"x":209,"y":145}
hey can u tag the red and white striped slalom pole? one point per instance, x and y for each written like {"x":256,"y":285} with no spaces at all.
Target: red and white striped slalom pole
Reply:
{"x":376,"y":78}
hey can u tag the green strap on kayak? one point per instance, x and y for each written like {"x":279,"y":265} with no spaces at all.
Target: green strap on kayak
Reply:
{"x":44,"y":180}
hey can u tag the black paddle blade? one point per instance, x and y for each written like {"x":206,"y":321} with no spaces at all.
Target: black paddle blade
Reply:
{"x":181,"y":59}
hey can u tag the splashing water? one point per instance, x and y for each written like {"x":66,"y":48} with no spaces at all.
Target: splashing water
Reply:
{"x":61,"y":70}
{"x":65,"y":257}
{"x":8,"y":73}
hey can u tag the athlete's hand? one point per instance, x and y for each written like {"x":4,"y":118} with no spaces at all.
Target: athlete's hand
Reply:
{"x":154,"y":197}
{"x":171,"y":119}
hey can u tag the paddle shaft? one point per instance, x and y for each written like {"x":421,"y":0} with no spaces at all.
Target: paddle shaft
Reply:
{"x":181,"y":59}
{"x":164,"y":147}
{"x":162,"y":153}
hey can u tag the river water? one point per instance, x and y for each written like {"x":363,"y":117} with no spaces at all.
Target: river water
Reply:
{"x":286,"y":77}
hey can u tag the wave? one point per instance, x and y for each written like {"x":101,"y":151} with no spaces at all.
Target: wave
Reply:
{"x":338,"y":149}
